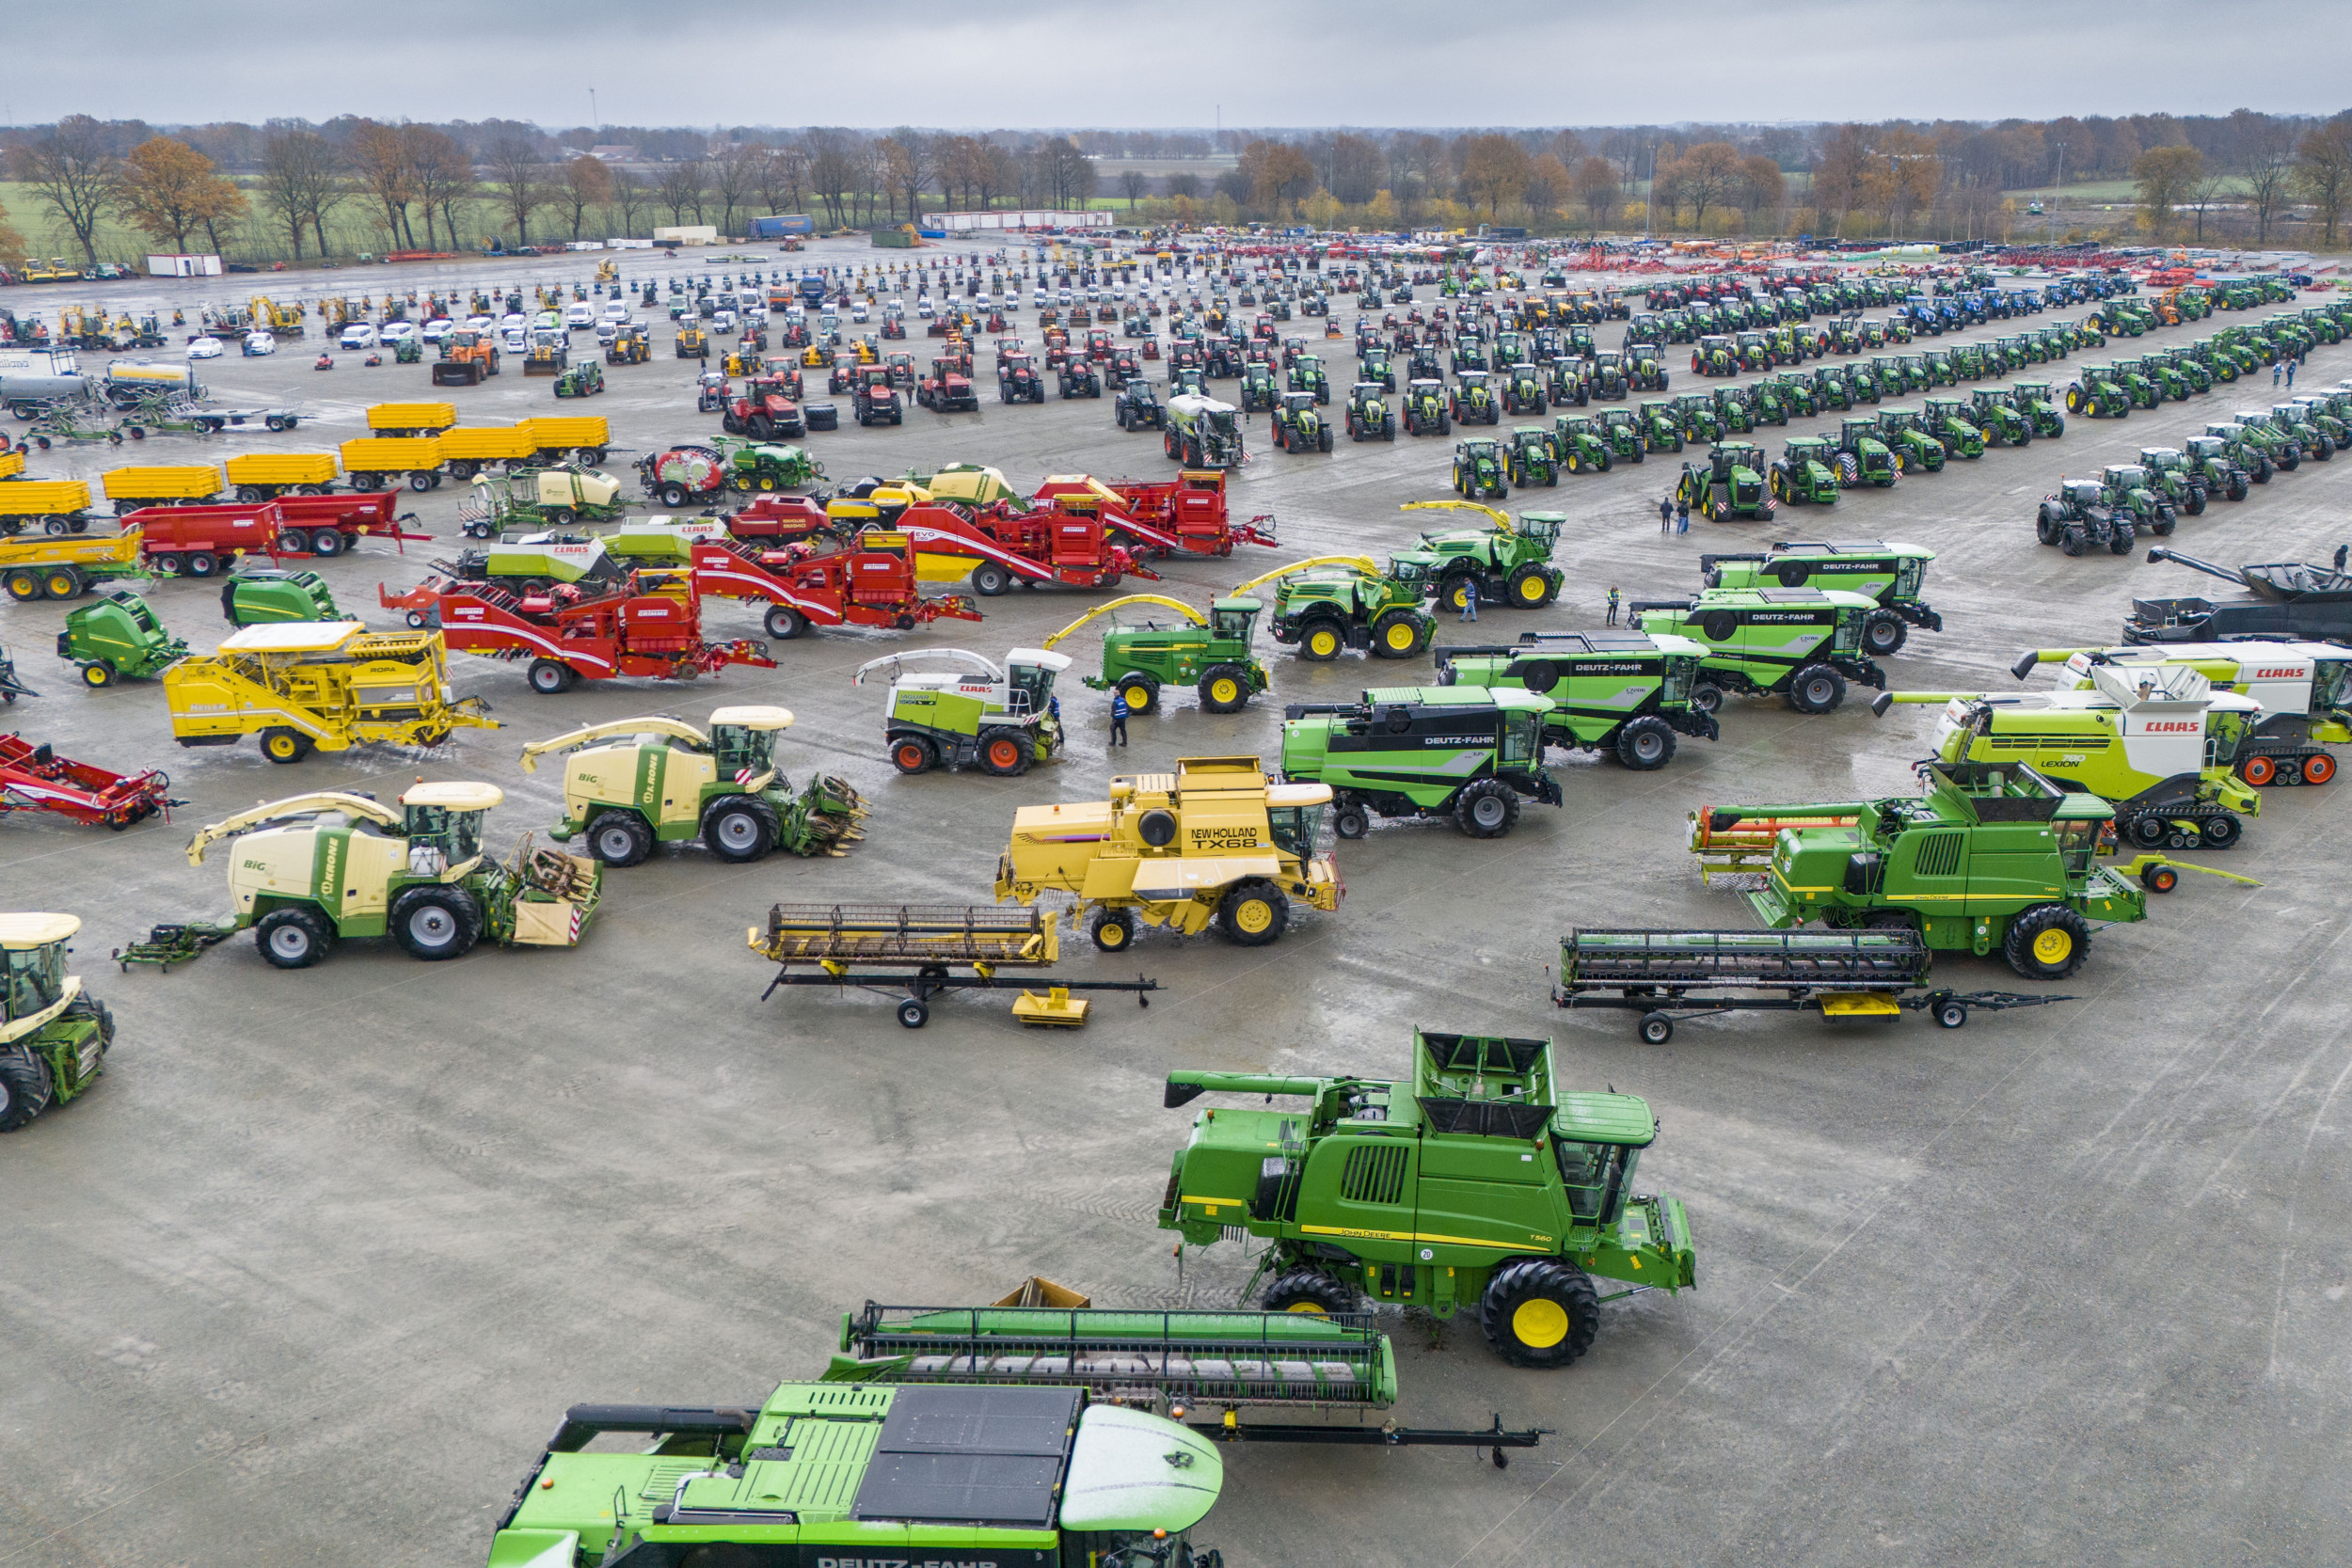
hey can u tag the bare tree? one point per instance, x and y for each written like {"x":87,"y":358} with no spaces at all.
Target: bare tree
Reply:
{"x":301,"y":183}
{"x":585,"y":182}
{"x":379,"y":159}
{"x":782,"y":176}
{"x":1132,"y":184}
{"x":74,"y":173}
{"x":917,"y":157}
{"x":830,"y":171}
{"x":2324,"y":169}
{"x":628,"y":197}
{"x":442,"y":176}
{"x":519,"y":179}
{"x":735,"y":179}
{"x":2266,"y":162}
{"x":679,"y":187}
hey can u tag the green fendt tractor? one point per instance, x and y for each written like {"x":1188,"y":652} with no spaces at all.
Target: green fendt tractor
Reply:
{"x":118,"y":638}
{"x":1511,"y":562}
{"x":1466,"y":754}
{"x":1611,"y":691}
{"x":632,"y":783}
{"x":1332,"y":603}
{"x":2210,"y":468}
{"x":971,"y":714}
{"x":1887,"y":572}
{"x":1806,"y":474}
{"x":2158,"y":743}
{"x":53,"y":1040}
{"x":1990,"y":858}
{"x":1210,"y":652}
{"x":1729,"y":484}
{"x":1478,"y":1183}
{"x":1802,"y":644}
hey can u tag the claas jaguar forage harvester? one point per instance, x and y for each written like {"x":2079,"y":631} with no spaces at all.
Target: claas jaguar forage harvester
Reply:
{"x":971,"y":712}
{"x":1214,"y":842}
{"x":1480,"y":1183}
{"x":313,"y":869}
{"x":634,"y":782}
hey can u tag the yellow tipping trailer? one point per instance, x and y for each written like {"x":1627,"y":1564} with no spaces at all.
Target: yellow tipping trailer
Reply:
{"x":52,"y":505}
{"x":411,"y":418}
{"x":11,"y":461}
{"x":153,"y":485}
{"x":375,"y":463}
{"x":318,"y":685}
{"x":468,"y":449}
{"x":1217,"y":840}
{"x":47,"y":566}
{"x":582,"y":436}
{"x":916,"y":948}
{"x":259,"y":476}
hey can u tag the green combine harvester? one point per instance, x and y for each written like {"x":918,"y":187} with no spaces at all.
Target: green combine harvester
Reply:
{"x":1800,"y":643}
{"x":1610,"y":691}
{"x":1465,"y":754}
{"x":1887,"y":571}
{"x":1478,"y":1183}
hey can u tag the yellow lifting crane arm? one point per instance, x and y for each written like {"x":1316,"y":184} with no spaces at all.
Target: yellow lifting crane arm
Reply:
{"x":657,"y":724}
{"x":293,"y":805}
{"x":1362,"y":563}
{"x":1177,"y":604}
{"x":1502,"y":518}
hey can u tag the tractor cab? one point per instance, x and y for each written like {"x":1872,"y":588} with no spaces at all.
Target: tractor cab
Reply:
{"x":35,"y":949}
{"x":1029,"y":680}
{"x":444,"y":824}
{"x":1234,"y":620}
{"x":743,"y":739}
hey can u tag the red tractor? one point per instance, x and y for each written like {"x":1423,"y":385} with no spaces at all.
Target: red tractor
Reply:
{"x":1125,"y":365}
{"x":1056,"y":348}
{"x":947,"y":389}
{"x":901,"y":368}
{"x":1017,"y":380}
{"x":1099,"y":344}
{"x":765,"y":410}
{"x":843,"y":375}
{"x":875,"y":399}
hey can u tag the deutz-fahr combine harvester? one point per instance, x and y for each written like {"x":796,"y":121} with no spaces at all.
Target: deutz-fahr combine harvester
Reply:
{"x":1802,"y":644}
{"x":1478,"y":1183}
{"x":1888,"y":571}
{"x":1613,"y":691}
{"x":1467,"y":754}
{"x":634,"y":782}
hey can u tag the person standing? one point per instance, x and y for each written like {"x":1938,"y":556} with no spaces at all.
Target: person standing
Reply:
{"x":1119,"y":716}
{"x":1612,"y":605}
{"x":1470,"y":599}
{"x":2277,"y":366}
{"x":1682,"y":514}
{"x":2291,"y":375}
{"x":1666,"y":515}
{"x":2342,"y":550}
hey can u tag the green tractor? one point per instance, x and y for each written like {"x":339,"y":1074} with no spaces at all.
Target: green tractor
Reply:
{"x":1372,"y":365}
{"x":1480,"y":470}
{"x":56,"y":1035}
{"x":1522,"y":391}
{"x":1511,"y":562}
{"x":1610,"y":378}
{"x":1806,"y":474}
{"x":1799,"y":643}
{"x":1621,"y":428}
{"x":1298,"y":425}
{"x":1478,"y":1183}
{"x":1694,"y":416}
{"x":2131,"y":493}
{"x":1729,"y":484}
{"x":2170,"y":477}
{"x":1474,"y":401}
{"x":1735,"y":410}
{"x":262,"y":599}
{"x":1645,"y":367}
{"x":1425,"y":409}
{"x":1905,"y":434}
{"x":760,"y":467}
{"x":1307,"y":376}
{"x":1661,"y":430}
{"x":1618,"y":692}
{"x":2156,"y":745}
{"x":968,"y":711}
{"x":2142,"y":389}
{"x":1714,"y":355}
{"x":1332,"y":603}
{"x":1258,"y":390}
{"x":1467,"y":754}
{"x":1368,"y":415}
{"x":1992,"y":857}
{"x":1580,"y":445}
{"x":584,"y":380}
{"x":1568,"y":382}
{"x":1947,"y":421}
{"x":2098,"y":394}
{"x":2211,"y":467}
{"x":1831,"y":389}
{"x":1993,"y":412}
{"x":1863,"y":458}
{"x":117,"y":639}
{"x":1785,"y":396}
{"x":1209,"y":653}
{"x":2248,"y":454}
{"x":635,"y":783}
{"x":1887,"y":572}
{"x":2032,"y":399}
{"x":1530,"y":457}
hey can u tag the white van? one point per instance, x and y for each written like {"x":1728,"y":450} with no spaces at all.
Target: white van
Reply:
{"x":579,"y":316}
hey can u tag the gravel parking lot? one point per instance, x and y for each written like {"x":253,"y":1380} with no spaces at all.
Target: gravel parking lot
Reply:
{"x":319,"y":1264}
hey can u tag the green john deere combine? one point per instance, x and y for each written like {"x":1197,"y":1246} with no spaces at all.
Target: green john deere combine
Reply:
{"x":1467,"y":754}
{"x":1477,"y":1183}
{"x":1610,"y":691}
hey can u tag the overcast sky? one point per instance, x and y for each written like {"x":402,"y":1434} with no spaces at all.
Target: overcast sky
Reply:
{"x":1022,"y":63}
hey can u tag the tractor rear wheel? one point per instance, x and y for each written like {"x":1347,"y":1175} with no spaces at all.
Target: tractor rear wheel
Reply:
{"x":1818,"y":689}
{"x":1487,"y":809}
{"x":739,"y":829}
{"x":1224,"y":688}
{"x":1254,"y":914}
{"x":25,"y":1086}
{"x":2046,"y":942}
{"x":293,"y":938}
{"x":620,"y":838}
{"x":436,"y":923}
{"x":1113,"y":930}
{"x":1006,"y":753}
{"x":1540,"y":1313}
{"x":1321,"y":642}
{"x":1646,"y":743}
{"x":1310,"y":1290}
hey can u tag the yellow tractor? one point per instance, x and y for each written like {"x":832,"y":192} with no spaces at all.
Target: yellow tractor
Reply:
{"x":692,"y":342}
{"x":1215,"y":840}
{"x":318,"y":685}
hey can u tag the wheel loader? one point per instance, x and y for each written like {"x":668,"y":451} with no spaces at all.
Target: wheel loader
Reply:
{"x":632,"y":783}
{"x":1479,"y":1184}
{"x":313,"y":869}
{"x":53,"y":1034}
{"x":1216,"y":842}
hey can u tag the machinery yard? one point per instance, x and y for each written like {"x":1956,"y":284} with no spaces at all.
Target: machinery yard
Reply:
{"x":329,"y":1251}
